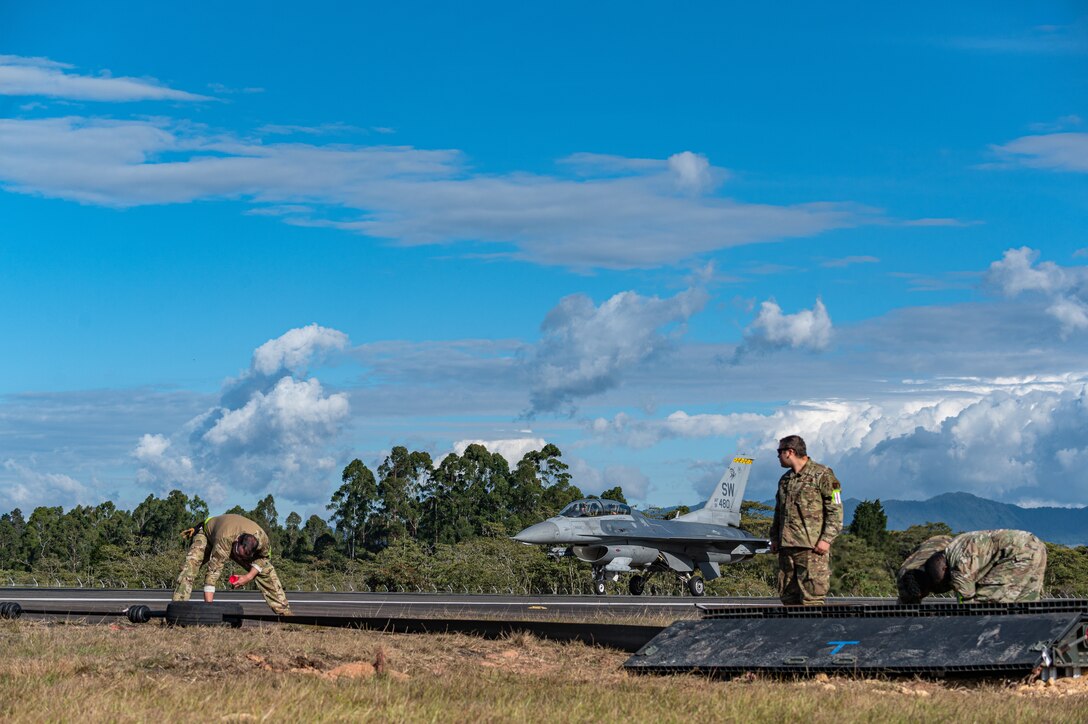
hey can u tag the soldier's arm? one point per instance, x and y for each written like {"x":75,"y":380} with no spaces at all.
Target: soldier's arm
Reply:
{"x":830,"y":492}
{"x":260,"y":564}
{"x":964,"y":566}
{"x":964,"y":585}
{"x":775,"y":533}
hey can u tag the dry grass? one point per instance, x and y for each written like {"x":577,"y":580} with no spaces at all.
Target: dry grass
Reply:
{"x":53,"y":672}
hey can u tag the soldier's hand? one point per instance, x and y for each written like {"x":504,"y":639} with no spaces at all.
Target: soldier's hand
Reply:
{"x":822,"y":548}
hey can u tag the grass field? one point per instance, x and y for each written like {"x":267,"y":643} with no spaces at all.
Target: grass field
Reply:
{"x":123,"y":672}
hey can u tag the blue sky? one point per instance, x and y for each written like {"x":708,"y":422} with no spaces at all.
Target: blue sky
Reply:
{"x":243,"y":246}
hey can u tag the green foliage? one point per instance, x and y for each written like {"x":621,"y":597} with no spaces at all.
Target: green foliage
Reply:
{"x":352,"y":505}
{"x":413,"y":526}
{"x":755,"y":517}
{"x":870,"y":522}
{"x":1066,"y":570}
{"x":860,"y":569}
{"x":615,"y":493}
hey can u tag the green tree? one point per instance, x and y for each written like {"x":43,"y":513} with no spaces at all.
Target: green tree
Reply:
{"x":352,"y":505}
{"x":316,"y":529}
{"x":43,"y":534}
{"x":615,"y":493}
{"x":539,"y":487}
{"x":160,"y":521}
{"x":554,"y":476}
{"x":265,"y":515}
{"x":470,"y":493}
{"x":870,"y":523}
{"x":12,"y":533}
{"x":292,"y":535}
{"x":402,"y":477}
{"x":756,"y":517}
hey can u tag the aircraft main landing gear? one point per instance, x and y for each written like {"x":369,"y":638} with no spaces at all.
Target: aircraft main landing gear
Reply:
{"x":636,"y":585}
{"x":696,"y":585}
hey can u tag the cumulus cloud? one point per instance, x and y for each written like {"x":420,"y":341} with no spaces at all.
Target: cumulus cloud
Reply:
{"x":1064,"y":288}
{"x":512,"y":449}
{"x":296,"y":348}
{"x":270,"y":430}
{"x":586,"y":349}
{"x":809,"y":329}
{"x":692,"y":171}
{"x":623,"y":213}
{"x":21,"y":76}
{"x":1013,"y":439}
{"x":1054,"y":151}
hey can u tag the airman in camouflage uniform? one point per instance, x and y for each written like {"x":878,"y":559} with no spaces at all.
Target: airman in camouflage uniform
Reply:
{"x":807,"y":518}
{"x":911,"y":579}
{"x":219,"y":539}
{"x":990,"y":566}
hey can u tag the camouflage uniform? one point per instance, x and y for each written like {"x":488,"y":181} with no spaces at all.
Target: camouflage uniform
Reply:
{"x":807,"y":510}
{"x":996,"y":566}
{"x":212,"y":545}
{"x":916,"y":561}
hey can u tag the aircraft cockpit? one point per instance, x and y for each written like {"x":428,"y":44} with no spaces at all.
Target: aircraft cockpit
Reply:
{"x":594,"y":507}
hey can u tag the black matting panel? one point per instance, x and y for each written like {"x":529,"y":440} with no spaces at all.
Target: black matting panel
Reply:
{"x":945,"y":607}
{"x":1006,"y":644}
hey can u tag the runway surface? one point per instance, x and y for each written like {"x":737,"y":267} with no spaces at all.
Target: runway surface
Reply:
{"x":399,"y":605}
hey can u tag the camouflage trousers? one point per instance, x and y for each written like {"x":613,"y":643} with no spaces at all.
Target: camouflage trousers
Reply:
{"x":1016,"y":578}
{"x":804,"y":577}
{"x":268,"y":583}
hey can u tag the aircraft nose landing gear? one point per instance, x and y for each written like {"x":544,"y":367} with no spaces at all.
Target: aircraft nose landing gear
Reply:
{"x":598,"y":580}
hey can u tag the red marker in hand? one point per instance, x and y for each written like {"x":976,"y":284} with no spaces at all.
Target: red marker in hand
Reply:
{"x":233,"y":580}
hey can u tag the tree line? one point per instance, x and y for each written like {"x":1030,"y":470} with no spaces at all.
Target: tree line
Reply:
{"x":474,"y":494}
{"x":412,"y":525}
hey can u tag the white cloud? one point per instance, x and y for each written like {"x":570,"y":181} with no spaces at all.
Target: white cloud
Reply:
{"x":809,"y":329}
{"x":1005,"y":439}
{"x":512,"y":449}
{"x":296,"y":348}
{"x":1064,"y":287}
{"x":635,"y":213}
{"x":159,"y":468}
{"x":586,"y":349}
{"x":270,"y":431}
{"x":293,"y":413}
{"x":21,"y":76}
{"x":1055,"y":151}
{"x":692,"y":171}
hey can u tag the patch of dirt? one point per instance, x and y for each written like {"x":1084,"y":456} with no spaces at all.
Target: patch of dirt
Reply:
{"x":1054,"y":688}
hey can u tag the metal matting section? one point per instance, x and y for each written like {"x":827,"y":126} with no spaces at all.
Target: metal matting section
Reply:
{"x":947,"y":607}
{"x":1008,"y":645}
{"x":618,"y":636}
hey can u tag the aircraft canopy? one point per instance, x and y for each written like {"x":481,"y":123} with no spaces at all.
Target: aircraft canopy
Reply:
{"x":592,"y":507}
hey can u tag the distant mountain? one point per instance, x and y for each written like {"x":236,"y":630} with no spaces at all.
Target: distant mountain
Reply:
{"x":963,"y":511}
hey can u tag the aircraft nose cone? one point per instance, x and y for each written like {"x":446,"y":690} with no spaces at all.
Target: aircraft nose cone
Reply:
{"x":545,"y":532}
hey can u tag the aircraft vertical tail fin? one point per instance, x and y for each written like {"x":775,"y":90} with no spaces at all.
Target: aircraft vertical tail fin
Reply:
{"x":723,"y":506}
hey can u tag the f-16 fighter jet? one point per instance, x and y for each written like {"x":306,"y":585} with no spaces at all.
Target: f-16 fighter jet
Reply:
{"x":615,"y":539}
